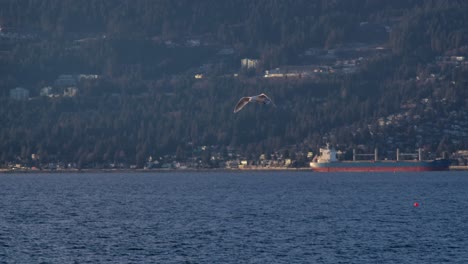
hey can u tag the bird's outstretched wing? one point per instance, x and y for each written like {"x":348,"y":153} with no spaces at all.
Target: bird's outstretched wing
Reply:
{"x":265,"y":99}
{"x":242,"y":102}
{"x":263,"y":96}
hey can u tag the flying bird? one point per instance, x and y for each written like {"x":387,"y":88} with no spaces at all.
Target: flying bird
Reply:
{"x":261,"y":98}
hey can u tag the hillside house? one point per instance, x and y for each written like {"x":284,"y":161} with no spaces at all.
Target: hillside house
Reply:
{"x":193,"y":43}
{"x":65,"y":80}
{"x":46,"y":91}
{"x":87,"y":77}
{"x":297,"y":71}
{"x":70,"y":92}
{"x":19,"y":93}
{"x":452,"y":60}
{"x":249,"y":63}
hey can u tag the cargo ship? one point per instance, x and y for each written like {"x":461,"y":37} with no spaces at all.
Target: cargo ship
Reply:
{"x":328,"y":162}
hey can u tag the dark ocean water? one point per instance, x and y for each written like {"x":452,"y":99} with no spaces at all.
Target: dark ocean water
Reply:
{"x":234,"y":217}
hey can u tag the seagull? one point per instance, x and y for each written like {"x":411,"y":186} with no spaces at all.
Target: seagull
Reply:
{"x":261,"y":98}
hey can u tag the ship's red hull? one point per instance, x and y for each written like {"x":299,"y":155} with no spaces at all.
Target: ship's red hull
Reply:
{"x":375,"y":169}
{"x":381,"y":166}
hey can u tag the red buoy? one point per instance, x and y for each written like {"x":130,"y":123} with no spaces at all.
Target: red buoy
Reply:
{"x":415,"y":204}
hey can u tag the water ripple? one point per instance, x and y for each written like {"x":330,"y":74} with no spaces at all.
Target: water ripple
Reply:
{"x":260,"y":217}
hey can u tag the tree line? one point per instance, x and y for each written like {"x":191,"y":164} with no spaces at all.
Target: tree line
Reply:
{"x":147,"y":102}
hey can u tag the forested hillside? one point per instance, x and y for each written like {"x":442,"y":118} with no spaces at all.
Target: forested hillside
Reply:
{"x":121,"y":81}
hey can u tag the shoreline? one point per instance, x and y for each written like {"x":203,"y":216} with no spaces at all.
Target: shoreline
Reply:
{"x":9,"y":171}
{"x":458,"y":168}
{"x":150,"y":170}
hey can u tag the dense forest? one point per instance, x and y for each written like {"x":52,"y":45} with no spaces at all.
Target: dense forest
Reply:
{"x":407,"y":87}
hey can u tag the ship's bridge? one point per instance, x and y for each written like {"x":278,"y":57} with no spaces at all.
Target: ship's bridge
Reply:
{"x":327,"y":154}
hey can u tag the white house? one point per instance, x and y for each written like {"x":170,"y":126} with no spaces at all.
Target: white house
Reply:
{"x":46,"y":91}
{"x":19,"y":93}
{"x":70,"y":91}
{"x":249,"y":63}
{"x":88,"y":77}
